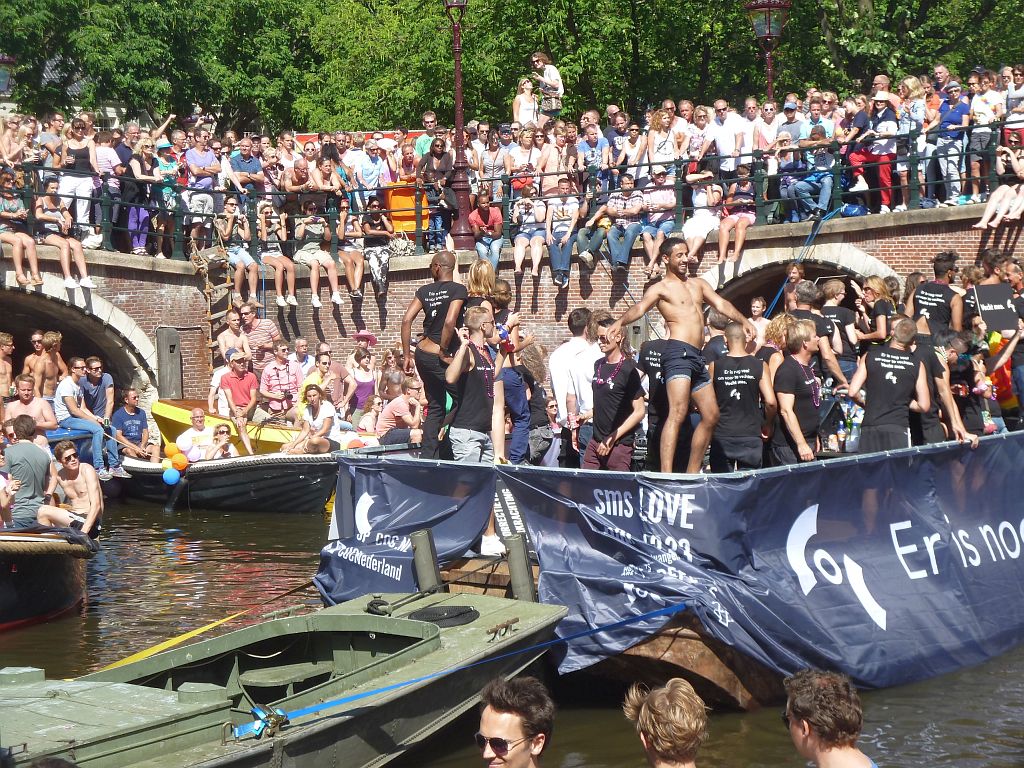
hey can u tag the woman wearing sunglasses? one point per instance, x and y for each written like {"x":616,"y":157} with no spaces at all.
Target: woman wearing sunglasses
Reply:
{"x":320,"y":432}
{"x":222,"y":447}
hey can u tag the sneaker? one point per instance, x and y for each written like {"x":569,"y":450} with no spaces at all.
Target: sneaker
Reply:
{"x":86,"y":282}
{"x":587,"y":258}
{"x":336,"y":298}
{"x":103,"y":474}
{"x":564,"y":282}
{"x":280,"y":301}
{"x":119,"y":471}
{"x":884,"y":209}
{"x":356,"y":294}
{"x":974,"y":199}
{"x":139,"y":252}
{"x":291,"y":301}
{"x":70,"y":283}
{"x":315,"y":301}
{"x":491,"y":546}
{"x":899,"y":208}
{"x":861,"y":185}
{"x":159,"y":255}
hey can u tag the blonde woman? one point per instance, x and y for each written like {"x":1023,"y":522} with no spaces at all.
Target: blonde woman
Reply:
{"x":910,"y":118}
{"x":875,"y":308}
{"x":662,"y":147}
{"x":549,"y":83}
{"x":525,"y":110}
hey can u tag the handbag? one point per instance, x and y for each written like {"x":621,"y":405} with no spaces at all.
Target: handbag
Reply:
{"x":550,"y":103}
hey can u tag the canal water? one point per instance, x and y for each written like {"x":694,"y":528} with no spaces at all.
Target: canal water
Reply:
{"x":161,"y":575}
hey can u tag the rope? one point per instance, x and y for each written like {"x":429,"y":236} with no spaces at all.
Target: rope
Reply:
{"x":270,"y":721}
{"x":808,"y":244}
{"x":37,"y":547}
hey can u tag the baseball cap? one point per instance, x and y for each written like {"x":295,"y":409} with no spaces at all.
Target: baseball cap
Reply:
{"x":505,"y":128}
{"x":952,"y":84}
{"x":789,"y":105}
{"x":163,"y":144}
{"x":658,"y":170}
{"x":231,"y":354}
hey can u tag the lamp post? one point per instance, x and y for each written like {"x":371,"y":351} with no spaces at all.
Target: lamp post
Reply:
{"x":462,"y":234}
{"x":768,"y":18}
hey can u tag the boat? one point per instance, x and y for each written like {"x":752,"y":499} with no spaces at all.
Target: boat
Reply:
{"x":174,"y":416}
{"x":43,"y":574}
{"x":891,"y":567}
{"x":278,"y":482}
{"x":356,"y":684}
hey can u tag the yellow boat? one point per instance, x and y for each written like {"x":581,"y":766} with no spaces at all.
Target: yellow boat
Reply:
{"x":174,"y":416}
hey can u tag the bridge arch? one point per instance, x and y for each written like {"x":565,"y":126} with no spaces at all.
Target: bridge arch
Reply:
{"x":90,"y":324}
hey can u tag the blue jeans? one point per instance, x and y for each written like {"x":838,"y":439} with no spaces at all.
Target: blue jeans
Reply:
{"x":664,"y":228}
{"x":519,"y":408}
{"x":805,"y":189}
{"x":439,"y":224}
{"x":590,"y":239}
{"x":559,"y":254}
{"x":96,"y":433}
{"x":489,"y":249}
{"x":620,"y":241}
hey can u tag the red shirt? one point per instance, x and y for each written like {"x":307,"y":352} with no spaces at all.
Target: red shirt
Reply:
{"x":493,"y":220}
{"x":241,"y":387}
{"x":392,"y":414}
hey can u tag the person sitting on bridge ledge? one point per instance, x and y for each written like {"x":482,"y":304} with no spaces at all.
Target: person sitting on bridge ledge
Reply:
{"x":671,"y":721}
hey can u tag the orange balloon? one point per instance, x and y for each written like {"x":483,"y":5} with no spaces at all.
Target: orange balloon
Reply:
{"x":170,"y":449}
{"x":179,"y":461}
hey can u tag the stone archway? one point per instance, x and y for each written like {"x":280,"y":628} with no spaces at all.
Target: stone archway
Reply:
{"x":843,"y":256}
{"x":90,"y":324}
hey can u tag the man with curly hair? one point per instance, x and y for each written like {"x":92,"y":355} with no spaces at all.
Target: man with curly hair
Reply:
{"x":672,"y":722}
{"x":824,"y":718}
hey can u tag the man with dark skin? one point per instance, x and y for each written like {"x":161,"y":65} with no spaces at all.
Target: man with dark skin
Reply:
{"x":680,"y":299}
{"x":441,"y":303}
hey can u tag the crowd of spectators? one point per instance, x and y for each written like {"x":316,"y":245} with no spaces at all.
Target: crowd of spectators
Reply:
{"x":559,"y":183}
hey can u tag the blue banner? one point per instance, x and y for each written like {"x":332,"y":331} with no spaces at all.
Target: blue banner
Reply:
{"x":380,"y":502}
{"x":890,"y":567}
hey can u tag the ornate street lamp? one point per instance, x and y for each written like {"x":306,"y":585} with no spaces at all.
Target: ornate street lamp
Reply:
{"x":768,"y":18}
{"x":462,"y":233}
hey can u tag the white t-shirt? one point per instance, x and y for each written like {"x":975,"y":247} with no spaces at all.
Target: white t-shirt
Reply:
{"x":575,"y":356}
{"x":107,"y":160}
{"x":222,"y":400}
{"x":984,"y":106}
{"x":327,"y":411}
{"x":724,"y":135}
{"x":198,"y":438}
{"x":65,"y":388}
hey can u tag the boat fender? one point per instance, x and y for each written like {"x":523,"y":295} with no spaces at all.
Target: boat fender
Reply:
{"x":267,"y":722}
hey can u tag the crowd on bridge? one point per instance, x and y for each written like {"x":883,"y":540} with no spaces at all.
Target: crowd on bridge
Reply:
{"x":538,"y":182}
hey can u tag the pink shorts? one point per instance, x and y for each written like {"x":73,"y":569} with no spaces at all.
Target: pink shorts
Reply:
{"x":737,"y":217}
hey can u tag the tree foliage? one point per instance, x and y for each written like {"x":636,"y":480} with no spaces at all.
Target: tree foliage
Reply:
{"x":380,"y":63}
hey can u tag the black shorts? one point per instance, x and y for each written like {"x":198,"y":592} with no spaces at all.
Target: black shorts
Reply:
{"x":735,"y":454}
{"x":876,"y":439}
{"x":682,"y":359}
{"x":397,"y":436}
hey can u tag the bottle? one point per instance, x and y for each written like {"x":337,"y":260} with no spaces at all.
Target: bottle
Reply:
{"x":854,"y":440}
{"x":841,"y":437}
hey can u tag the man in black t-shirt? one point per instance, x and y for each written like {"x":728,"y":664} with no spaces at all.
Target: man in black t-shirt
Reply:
{"x":798,"y":392}
{"x":824,"y":362}
{"x":935,"y":306}
{"x":742,"y":386}
{"x":441,"y":303}
{"x":472,"y":372}
{"x":895,"y":384}
{"x":926,"y":428}
{"x":618,"y":404}
{"x":716,"y":345}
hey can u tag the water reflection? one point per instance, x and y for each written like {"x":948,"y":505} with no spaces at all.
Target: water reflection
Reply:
{"x":159,"y":576}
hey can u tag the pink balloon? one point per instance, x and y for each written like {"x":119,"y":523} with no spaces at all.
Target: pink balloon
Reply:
{"x":184,"y":443}
{"x":194,"y":454}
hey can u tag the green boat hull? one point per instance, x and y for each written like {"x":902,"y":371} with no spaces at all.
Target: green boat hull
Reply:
{"x":178,"y":707}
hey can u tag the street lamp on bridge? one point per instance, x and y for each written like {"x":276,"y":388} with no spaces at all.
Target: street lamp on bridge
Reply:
{"x":768,"y":18}
{"x":462,"y":233}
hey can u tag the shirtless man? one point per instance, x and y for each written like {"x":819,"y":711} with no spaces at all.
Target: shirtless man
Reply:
{"x":233,"y":337}
{"x":81,"y":488}
{"x":6,"y":367}
{"x":681,"y":299}
{"x":28,"y":404}
{"x":49,"y":367}
{"x":35,"y":354}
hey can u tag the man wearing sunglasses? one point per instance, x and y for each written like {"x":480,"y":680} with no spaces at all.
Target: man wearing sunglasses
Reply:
{"x":81,"y":488}
{"x":516,"y":717}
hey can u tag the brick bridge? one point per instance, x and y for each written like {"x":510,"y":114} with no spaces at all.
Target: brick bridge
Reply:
{"x":136,"y":296}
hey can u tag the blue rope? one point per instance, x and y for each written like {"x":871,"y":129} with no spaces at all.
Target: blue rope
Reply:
{"x":262,"y":717}
{"x":815,"y":228}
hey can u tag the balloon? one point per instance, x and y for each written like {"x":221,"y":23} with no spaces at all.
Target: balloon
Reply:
{"x":184,"y":443}
{"x":172,"y":476}
{"x":170,"y":449}
{"x":194,"y":454}
{"x":179,"y":461}
{"x":166,"y":463}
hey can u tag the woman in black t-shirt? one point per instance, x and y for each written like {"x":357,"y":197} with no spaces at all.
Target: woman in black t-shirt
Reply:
{"x":875,"y":309}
